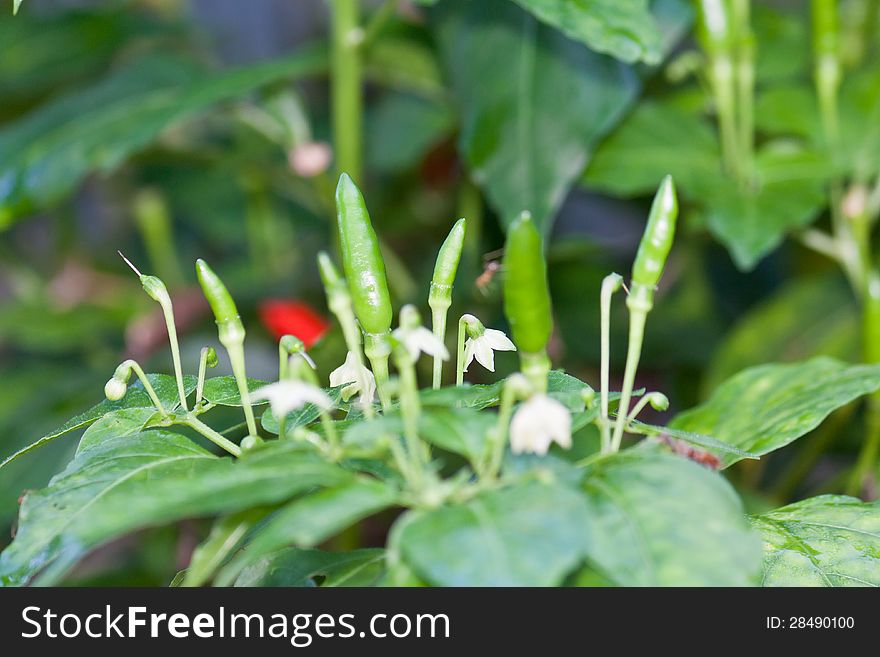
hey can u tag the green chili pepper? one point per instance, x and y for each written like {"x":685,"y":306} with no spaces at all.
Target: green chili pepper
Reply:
{"x":362,"y":260}
{"x":231,"y":332}
{"x":365,"y":272}
{"x":527,"y":298}
{"x":440,"y":295}
{"x":647,"y":269}
{"x":656,"y":241}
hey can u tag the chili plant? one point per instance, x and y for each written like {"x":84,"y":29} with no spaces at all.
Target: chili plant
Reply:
{"x":526,"y":481}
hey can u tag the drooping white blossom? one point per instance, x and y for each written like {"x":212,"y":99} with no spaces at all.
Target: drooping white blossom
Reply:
{"x":483,"y":348}
{"x":353,"y":373}
{"x":289,"y":395}
{"x":537,"y":423}
{"x":419,"y":339}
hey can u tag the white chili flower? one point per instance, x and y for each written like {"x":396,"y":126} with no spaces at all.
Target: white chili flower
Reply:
{"x":415,"y":338}
{"x":483,"y":346}
{"x":288,"y":395}
{"x":353,"y":373}
{"x":537,"y":423}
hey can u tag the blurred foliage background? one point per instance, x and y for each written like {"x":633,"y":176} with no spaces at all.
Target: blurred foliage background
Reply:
{"x":177,"y":129}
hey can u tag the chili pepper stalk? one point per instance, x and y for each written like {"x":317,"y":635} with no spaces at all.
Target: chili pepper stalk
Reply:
{"x":647,"y":269}
{"x":440,"y":294}
{"x":611,"y":284}
{"x":365,"y":272}
{"x":231,"y":333}
{"x":156,"y":290}
{"x":527,"y":299}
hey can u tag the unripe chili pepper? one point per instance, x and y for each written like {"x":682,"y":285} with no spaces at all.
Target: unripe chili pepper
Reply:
{"x":656,"y":243}
{"x":361,"y":259}
{"x":231,"y":332}
{"x":365,"y":273}
{"x":527,"y":298}
{"x":440,"y":294}
{"x":647,"y":269}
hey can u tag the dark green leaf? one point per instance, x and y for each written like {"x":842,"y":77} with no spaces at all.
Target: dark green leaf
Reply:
{"x":831,"y":540}
{"x":136,"y":397}
{"x":764,"y":408}
{"x":154,"y":477}
{"x":623,"y":29}
{"x":310,"y":520}
{"x":526,"y":535}
{"x":400,"y":128}
{"x":226,"y":534}
{"x":533,"y":103}
{"x":47,"y":153}
{"x":655,"y":519}
{"x":297,"y":567}
{"x":223,"y":390}
{"x":805,"y":318}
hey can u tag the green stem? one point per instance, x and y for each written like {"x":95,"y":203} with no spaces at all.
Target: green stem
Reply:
{"x":378,"y":20}
{"x":154,"y":224}
{"x":867,"y":459}
{"x":723,"y":88}
{"x":745,"y":81}
{"x":377,"y":350}
{"x":410,"y":410}
{"x":346,"y":92}
{"x":175,"y":351}
{"x":236,"y":358}
{"x":536,"y":367}
{"x":215,"y":437}
{"x":637,"y":321}
{"x":438,"y":325}
{"x":514,"y":388}
{"x":203,"y":368}
{"x":148,"y":387}
{"x":459,"y":350}
{"x":610,"y":285}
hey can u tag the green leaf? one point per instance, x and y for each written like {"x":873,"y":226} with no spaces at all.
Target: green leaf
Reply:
{"x":526,"y":535}
{"x":805,"y":318}
{"x":124,"y":422}
{"x":155,"y":477}
{"x":658,"y":138}
{"x":297,"y":567}
{"x":655,"y":519}
{"x":533,"y":103}
{"x":47,"y":153}
{"x":226,"y":534}
{"x":830,"y":540}
{"x":459,"y":430}
{"x":312,"y":519}
{"x":401,"y":128}
{"x":15,"y":5}
{"x":711,"y":444}
{"x":477,"y":396}
{"x":790,"y":193}
{"x":764,"y":408}
{"x":223,"y":390}
{"x":623,"y":29}
{"x":136,"y":397}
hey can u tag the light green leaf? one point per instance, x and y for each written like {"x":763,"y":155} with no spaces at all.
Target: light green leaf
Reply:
{"x":709,"y":443}
{"x":805,"y":318}
{"x":312,"y":519}
{"x":623,"y":29}
{"x":401,"y":128}
{"x":657,"y":139}
{"x":526,"y":535}
{"x":459,"y":430}
{"x":830,"y":540}
{"x":48,"y":152}
{"x":298,"y":567}
{"x":136,"y":397}
{"x":764,"y":408}
{"x":299,"y":418}
{"x":533,"y":103}
{"x":124,"y":422}
{"x":155,"y":477}
{"x":655,"y":519}
{"x":223,"y":390}
{"x":226,"y":534}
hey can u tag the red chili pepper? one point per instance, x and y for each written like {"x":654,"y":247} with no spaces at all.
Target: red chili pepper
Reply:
{"x":295,"y":318}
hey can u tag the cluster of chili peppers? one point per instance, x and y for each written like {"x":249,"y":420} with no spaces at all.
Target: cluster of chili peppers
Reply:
{"x":529,"y":419}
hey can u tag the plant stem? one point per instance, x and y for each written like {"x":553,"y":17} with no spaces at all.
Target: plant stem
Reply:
{"x":459,"y":350}
{"x":145,"y":382}
{"x":236,"y":358}
{"x":215,"y":437}
{"x":637,"y":321}
{"x":377,"y":350}
{"x":745,"y":81}
{"x":610,"y":285}
{"x":513,"y":390}
{"x":410,"y":410}
{"x":203,"y":367}
{"x":378,"y":20}
{"x":346,"y":92}
{"x":438,"y":326}
{"x":175,"y":351}
{"x":722,"y":78}
{"x":871,"y":353}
